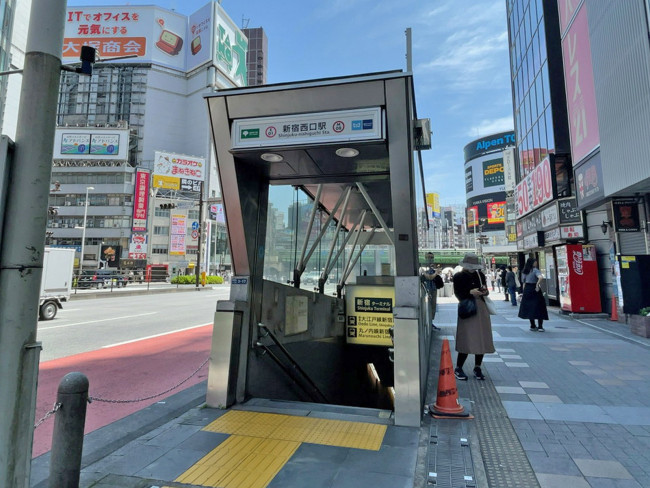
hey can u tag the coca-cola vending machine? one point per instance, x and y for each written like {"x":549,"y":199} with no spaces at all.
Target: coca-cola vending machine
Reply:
{"x":577,"y":271}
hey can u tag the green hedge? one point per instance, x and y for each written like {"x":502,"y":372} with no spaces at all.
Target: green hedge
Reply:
{"x":191,"y":280}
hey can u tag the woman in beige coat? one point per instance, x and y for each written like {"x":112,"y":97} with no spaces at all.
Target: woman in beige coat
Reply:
{"x":473,"y":334}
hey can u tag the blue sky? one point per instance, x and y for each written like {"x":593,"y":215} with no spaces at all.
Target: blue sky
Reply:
{"x":460,"y":60}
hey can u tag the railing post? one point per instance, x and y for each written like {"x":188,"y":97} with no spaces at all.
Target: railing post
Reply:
{"x":68,"y":436}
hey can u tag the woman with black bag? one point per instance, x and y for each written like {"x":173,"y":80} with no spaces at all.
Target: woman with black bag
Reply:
{"x":473,"y":328}
{"x":533,"y":304}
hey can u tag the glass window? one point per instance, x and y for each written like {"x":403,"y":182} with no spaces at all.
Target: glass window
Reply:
{"x":549,"y":130}
{"x":545,"y":85}
{"x":193,"y":214}
{"x":161,"y":230}
{"x":159,"y":212}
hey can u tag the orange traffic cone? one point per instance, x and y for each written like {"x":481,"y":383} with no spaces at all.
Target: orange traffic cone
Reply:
{"x":614,"y":316}
{"x":447,"y":405}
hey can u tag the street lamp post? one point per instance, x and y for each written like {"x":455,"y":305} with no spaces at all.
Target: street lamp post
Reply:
{"x":83,"y":232}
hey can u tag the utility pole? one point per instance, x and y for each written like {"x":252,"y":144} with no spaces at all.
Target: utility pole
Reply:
{"x":23,"y":239}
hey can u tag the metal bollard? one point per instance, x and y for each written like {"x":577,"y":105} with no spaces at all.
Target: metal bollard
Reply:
{"x":68,"y":436}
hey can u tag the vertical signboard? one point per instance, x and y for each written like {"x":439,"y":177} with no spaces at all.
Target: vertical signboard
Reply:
{"x":626,"y":215}
{"x":140,"y":201}
{"x":230,"y":52}
{"x":579,"y":82}
{"x":433,"y":206}
{"x":138,"y":246}
{"x":369,"y":314}
{"x":200,"y":35}
{"x":177,"y":235}
{"x":589,"y":182}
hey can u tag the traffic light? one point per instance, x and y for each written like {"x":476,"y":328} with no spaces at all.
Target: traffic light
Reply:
{"x":87,"y":58}
{"x":166,"y":206}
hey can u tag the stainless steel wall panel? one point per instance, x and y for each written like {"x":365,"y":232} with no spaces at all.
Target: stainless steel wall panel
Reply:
{"x":621,"y":62}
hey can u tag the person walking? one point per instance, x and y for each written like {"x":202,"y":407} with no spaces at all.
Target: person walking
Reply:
{"x":502,"y":277}
{"x":533,"y":305}
{"x":496,"y":280}
{"x":474,"y":333}
{"x":511,"y":283}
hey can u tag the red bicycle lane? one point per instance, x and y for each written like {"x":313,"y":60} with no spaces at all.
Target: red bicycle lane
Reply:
{"x":131,"y":371}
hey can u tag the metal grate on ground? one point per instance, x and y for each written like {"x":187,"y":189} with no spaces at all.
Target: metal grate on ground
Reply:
{"x":450,"y":463}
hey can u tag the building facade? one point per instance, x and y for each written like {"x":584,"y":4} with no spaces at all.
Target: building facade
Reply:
{"x":154,"y":102}
{"x":546,"y":208}
{"x":580,"y":98}
{"x":256,"y":56}
{"x":488,"y":173}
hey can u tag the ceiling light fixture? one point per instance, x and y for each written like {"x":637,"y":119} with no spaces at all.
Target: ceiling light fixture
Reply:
{"x":272,"y":157}
{"x":347,"y":152}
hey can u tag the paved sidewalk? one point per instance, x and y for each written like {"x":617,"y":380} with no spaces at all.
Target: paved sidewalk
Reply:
{"x":566,"y":408}
{"x":577,"y":396}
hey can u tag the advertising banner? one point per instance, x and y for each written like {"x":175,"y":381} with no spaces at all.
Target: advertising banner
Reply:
{"x":322,"y":127}
{"x":490,"y":210}
{"x":91,"y":143}
{"x":580,"y":91}
{"x":151,"y":34}
{"x":111,"y":255}
{"x":201,"y":32}
{"x":369,"y":314}
{"x":572,"y":232}
{"x":535,"y":190}
{"x":589,"y":182}
{"x":626,"y":215}
{"x":509,"y":169}
{"x":177,"y":235}
{"x":140,"y":201}
{"x":138,"y":246}
{"x":484,"y":175}
{"x":177,"y":171}
{"x":433,"y":206}
{"x":230,"y":51}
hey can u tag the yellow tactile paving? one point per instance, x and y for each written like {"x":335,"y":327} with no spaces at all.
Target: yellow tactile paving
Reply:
{"x":241,"y":462}
{"x":340,"y":433}
{"x":261,"y":443}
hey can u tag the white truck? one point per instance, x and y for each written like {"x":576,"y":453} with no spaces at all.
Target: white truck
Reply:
{"x":56,"y":283}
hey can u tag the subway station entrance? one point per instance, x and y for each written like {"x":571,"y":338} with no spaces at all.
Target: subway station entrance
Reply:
{"x":326,"y":304}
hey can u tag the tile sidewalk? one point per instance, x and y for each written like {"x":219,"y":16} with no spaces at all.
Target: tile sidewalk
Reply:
{"x":577,"y":397}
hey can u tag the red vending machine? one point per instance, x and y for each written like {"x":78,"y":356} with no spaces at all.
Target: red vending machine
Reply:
{"x":577,"y":272}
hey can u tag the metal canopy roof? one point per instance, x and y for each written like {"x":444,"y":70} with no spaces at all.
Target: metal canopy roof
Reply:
{"x":307,"y":166}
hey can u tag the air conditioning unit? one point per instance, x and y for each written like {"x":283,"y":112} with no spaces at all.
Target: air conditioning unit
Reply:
{"x":68,"y":204}
{"x":55,"y":224}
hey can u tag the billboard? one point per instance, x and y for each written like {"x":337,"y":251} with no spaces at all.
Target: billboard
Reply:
{"x":111,"y":255}
{"x":91,"y":143}
{"x":155,"y":35}
{"x":490,"y":209}
{"x":536,"y":189}
{"x":484,"y":174}
{"x":490,"y":144}
{"x":178,"y":172}
{"x":138,"y":246}
{"x":580,"y":91}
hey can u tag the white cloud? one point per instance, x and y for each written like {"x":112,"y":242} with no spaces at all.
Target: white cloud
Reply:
{"x":487,"y":127}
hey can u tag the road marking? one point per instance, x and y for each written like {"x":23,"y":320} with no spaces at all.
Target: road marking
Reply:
{"x":156,"y":335}
{"x":95,"y":321}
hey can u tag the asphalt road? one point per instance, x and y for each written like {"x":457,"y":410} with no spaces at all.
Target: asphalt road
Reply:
{"x":90,"y":324}
{"x":134,"y":350}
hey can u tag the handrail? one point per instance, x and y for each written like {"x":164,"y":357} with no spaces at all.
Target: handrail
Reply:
{"x":286,"y":370}
{"x":293,"y":362}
